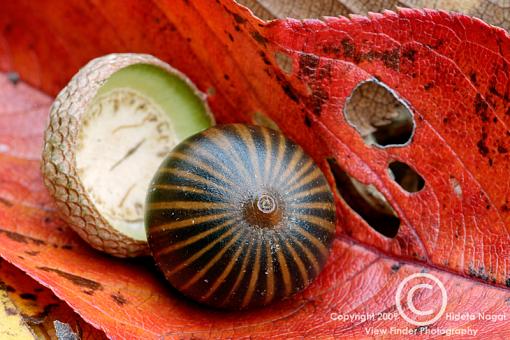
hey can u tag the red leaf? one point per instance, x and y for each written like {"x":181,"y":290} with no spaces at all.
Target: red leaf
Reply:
{"x":452,"y":71}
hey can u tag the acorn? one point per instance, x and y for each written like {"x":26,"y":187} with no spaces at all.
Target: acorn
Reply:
{"x":109,"y":130}
{"x":238,"y":216}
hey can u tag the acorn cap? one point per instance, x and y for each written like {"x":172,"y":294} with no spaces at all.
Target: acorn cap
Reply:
{"x":88,"y":177}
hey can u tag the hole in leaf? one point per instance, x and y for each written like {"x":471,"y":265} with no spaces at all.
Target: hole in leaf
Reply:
{"x":457,"y":189}
{"x":406,"y":176}
{"x":366,"y":201}
{"x":378,"y":115}
{"x":284,"y":62}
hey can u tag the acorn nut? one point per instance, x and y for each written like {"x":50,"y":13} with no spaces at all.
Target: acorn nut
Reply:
{"x":239,"y":216}
{"x":109,"y":130}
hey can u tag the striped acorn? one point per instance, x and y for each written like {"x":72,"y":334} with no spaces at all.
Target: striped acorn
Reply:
{"x":238,"y":216}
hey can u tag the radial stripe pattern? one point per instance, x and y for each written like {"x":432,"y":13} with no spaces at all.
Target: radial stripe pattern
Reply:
{"x":239,"y":216}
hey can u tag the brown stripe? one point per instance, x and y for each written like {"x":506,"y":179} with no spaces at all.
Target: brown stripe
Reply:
{"x":269,"y":272}
{"x":290,"y":167}
{"x":287,"y":283}
{"x":196,"y":237}
{"x":212,"y":262}
{"x":254,"y":274}
{"x":268,"y":144}
{"x":313,"y":240}
{"x":203,"y":166}
{"x":187,"y":205}
{"x":296,"y":176}
{"x":241,"y":274}
{"x":314,"y":205}
{"x":297,"y":260}
{"x":308,"y":253}
{"x":317,"y":221}
{"x":185,"y":189}
{"x":224,"y":274}
{"x":246,"y":137}
{"x":320,"y":189}
{"x":279,"y":157}
{"x":194,"y":177}
{"x":203,"y":152}
{"x":189,"y":222}
{"x":305,"y":180}
{"x":222,"y":142}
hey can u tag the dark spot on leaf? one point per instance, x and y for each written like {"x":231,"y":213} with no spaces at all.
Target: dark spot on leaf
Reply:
{"x":317,"y":99}
{"x":348,"y":48}
{"x":289,"y":90}
{"x":479,"y":274}
{"x":332,"y":49}
{"x":13,"y":77}
{"x":226,"y":77}
{"x":10,"y":311}
{"x":482,"y":147}
{"x":472,"y":76}
{"x":325,"y":71}
{"x":308,"y":122}
{"x":507,"y":283}
{"x":396,"y":267}
{"x":259,"y":38}
{"x":6,"y":202}
{"x":505,"y":208}
{"x":410,"y":54}
{"x":75,"y":279}
{"x":481,"y":108}
{"x":308,"y":64}
{"x":239,"y":19}
{"x":119,"y":299}
{"x":28,"y":296}
{"x":264,"y":58}
{"x":502,"y":149}
{"x":428,"y":86}
{"x":67,"y":247}
{"x":88,"y":292}
{"x":230,"y":36}
{"x":31,"y":252}
{"x":188,"y":40}
{"x":391,"y":59}
{"x":21,"y":238}
{"x":437,"y":45}
{"x":237,"y":28}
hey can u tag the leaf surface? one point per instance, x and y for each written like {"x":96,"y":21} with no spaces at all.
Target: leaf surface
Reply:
{"x":36,"y":308}
{"x":451,"y":70}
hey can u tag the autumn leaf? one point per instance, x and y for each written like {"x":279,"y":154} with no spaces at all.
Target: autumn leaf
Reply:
{"x":492,"y":12}
{"x":450,"y":72}
{"x":32,"y":310}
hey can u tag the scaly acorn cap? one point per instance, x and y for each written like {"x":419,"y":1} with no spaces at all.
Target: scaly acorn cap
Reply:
{"x":77,"y":205}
